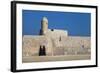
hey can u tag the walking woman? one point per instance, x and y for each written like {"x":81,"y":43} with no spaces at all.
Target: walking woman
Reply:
{"x":42,"y":51}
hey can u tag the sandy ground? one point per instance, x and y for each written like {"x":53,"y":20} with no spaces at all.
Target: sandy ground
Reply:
{"x":55,"y":58}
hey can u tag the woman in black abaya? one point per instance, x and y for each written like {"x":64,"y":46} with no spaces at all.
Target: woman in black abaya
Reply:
{"x":42,"y":51}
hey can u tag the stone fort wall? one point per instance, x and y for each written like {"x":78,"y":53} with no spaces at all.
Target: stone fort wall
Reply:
{"x":54,"y":46}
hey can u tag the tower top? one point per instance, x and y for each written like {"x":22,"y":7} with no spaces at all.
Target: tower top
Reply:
{"x":45,"y":19}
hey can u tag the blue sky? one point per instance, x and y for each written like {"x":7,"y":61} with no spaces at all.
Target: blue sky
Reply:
{"x":77,"y":24}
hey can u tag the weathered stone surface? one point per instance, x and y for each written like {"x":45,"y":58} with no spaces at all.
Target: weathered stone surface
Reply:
{"x":69,"y":45}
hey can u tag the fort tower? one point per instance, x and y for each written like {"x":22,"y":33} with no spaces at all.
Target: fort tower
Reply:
{"x":44,"y":26}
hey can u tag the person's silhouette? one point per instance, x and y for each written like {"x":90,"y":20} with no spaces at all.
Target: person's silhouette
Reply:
{"x":42,"y":51}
